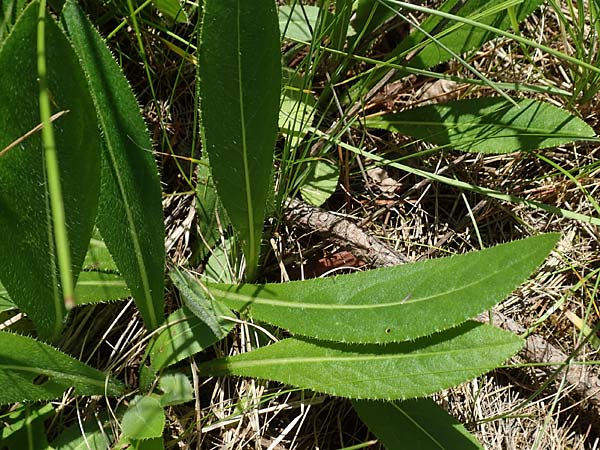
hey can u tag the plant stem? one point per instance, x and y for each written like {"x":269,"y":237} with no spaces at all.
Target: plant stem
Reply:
{"x":58,"y":225}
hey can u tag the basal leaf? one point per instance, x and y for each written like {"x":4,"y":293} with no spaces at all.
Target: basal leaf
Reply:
{"x":452,"y":38}
{"x":393,"y":371}
{"x":487,"y":125}
{"x":130,"y":214}
{"x":95,"y":286}
{"x":321,"y":182}
{"x":239,"y":72}
{"x":24,"y":428}
{"x":27,"y":238}
{"x":298,"y":22}
{"x":209,"y":211}
{"x":144,"y":419}
{"x":176,"y":388}
{"x":415,"y":424}
{"x":198,"y":301}
{"x":98,"y":257}
{"x":91,"y":287}
{"x":392,"y":304}
{"x":459,"y":37}
{"x":296,"y":114}
{"x":31,"y":370}
{"x":89,"y":435}
{"x":6,"y":304}
{"x":184,"y":335}
{"x":173,"y":9}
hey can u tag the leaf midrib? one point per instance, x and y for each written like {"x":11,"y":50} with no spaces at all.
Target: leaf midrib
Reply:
{"x":276,"y":361}
{"x":249,"y":207}
{"x":53,"y":373}
{"x":251,"y":300}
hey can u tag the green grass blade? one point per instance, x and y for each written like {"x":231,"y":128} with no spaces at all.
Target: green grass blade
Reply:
{"x":27,"y":226}
{"x":487,"y":125}
{"x":416,"y":423}
{"x":240,"y":80}
{"x":393,"y":371}
{"x":55,"y":191}
{"x":130,"y":210}
{"x":31,"y":370}
{"x":392,"y":304}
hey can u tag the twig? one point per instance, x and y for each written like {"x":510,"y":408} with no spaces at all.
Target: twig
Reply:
{"x":582,"y":378}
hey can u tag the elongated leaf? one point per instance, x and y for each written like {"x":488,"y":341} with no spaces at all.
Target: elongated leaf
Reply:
{"x":24,"y":429}
{"x":240,"y":79}
{"x":488,"y":125}
{"x":91,"y":287}
{"x":98,"y":257}
{"x":197,"y":300}
{"x":6,"y":304}
{"x":393,"y":371}
{"x":419,"y":51}
{"x":130,"y":212}
{"x":94,"y":287}
{"x":31,"y":370}
{"x":29,"y":272}
{"x":459,"y":37}
{"x":173,"y":9}
{"x":209,"y":211}
{"x":415,"y":424}
{"x":94,"y":436}
{"x":184,"y":335}
{"x":296,"y":115}
{"x":395,"y":303}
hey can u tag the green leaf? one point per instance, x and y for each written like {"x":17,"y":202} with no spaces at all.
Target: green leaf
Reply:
{"x":24,"y":428}
{"x":392,"y":304}
{"x":239,"y":73}
{"x":321,"y":182}
{"x":91,"y":287}
{"x":176,"y":388}
{"x":93,"y":437}
{"x":415,"y":424}
{"x":419,"y":51}
{"x":26,"y":227}
{"x":130,"y":214}
{"x":31,"y":370}
{"x":220,"y":266}
{"x":98,"y":257}
{"x":393,"y":371}
{"x":209,"y":211}
{"x":298,"y":22}
{"x":197,"y":300}
{"x":184,"y":335}
{"x":296,"y":113}
{"x":6,"y":303}
{"x":459,"y":37}
{"x":488,"y":125}
{"x":94,"y":287}
{"x":173,"y":9}
{"x":144,"y":419}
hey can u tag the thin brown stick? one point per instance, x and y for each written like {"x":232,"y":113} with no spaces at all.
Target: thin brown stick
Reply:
{"x":31,"y":132}
{"x":583,"y":379}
